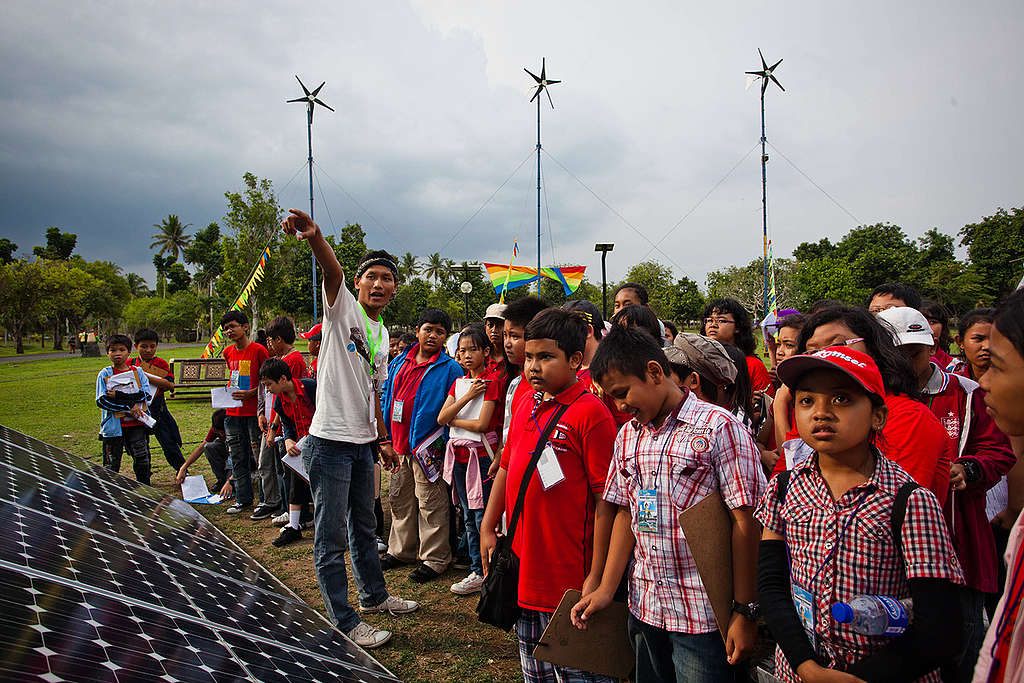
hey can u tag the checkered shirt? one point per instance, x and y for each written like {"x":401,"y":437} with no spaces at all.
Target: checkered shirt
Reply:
{"x":706,"y":449}
{"x":866,"y":561}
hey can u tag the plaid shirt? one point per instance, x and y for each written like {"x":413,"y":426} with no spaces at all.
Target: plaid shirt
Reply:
{"x":699,"y":449}
{"x":866,"y":561}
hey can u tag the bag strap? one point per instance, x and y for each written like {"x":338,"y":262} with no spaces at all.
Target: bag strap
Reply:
{"x":899,"y":513}
{"x":781,"y":484}
{"x":531,"y":468}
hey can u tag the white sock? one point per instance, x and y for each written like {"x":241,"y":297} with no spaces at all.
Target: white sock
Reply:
{"x":293,"y":518}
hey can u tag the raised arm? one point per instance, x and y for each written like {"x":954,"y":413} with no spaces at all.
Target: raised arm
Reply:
{"x":299,"y":223}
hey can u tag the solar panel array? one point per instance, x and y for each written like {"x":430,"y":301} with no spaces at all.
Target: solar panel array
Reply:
{"x":105,"y":579}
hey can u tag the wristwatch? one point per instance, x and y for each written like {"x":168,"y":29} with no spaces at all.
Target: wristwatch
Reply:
{"x":751,"y":610}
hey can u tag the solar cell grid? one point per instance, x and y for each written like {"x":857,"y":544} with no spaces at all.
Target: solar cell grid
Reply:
{"x":105,"y":579}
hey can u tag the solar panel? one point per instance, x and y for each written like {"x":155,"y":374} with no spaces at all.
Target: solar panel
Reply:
{"x":103,"y":578}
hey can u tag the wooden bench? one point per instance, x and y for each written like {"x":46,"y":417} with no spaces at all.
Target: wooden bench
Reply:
{"x":194,"y":377}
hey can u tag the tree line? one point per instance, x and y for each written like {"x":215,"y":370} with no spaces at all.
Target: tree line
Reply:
{"x":199,"y":274}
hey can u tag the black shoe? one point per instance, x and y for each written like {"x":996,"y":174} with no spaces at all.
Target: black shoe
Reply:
{"x":264,"y":512}
{"x":390,"y":562}
{"x":289,"y":534}
{"x":423,"y":573}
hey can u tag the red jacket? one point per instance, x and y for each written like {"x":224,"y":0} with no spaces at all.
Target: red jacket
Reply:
{"x":959,"y":404}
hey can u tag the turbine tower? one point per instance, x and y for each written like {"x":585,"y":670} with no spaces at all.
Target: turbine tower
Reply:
{"x":541,"y":85}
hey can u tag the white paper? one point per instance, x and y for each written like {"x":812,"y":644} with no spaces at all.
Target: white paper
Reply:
{"x":470,"y":411}
{"x":548,"y":468}
{"x":194,"y":488}
{"x":147,"y":420}
{"x":220,"y":397}
{"x":296,"y":464}
{"x":123,"y":381}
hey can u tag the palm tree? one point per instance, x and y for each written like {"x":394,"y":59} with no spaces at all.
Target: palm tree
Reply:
{"x":136,"y":284}
{"x":410,"y":266}
{"x":171,"y":238}
{"x":434,"y":267}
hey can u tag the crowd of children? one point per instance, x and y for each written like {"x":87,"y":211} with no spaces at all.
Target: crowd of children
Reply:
{"x":866,"y":460}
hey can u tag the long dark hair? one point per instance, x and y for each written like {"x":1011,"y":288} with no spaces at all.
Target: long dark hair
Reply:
{"x":933,"y":310}
{"x":897,"y":375}
{"x":743,"y":336}
{"x":742,"y":388}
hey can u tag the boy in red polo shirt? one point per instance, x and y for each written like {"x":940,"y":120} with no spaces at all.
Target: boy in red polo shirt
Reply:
{"x":566,"y":486}
{"x":244,"y":358}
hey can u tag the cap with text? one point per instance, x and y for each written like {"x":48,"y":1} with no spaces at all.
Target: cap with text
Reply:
{"x":859,"y":367}
{"x":908,"y":325}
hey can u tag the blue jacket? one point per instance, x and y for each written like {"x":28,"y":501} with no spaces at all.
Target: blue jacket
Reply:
{"x":430,"y":395}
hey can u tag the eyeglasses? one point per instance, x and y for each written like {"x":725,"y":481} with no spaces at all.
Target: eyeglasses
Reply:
{"x":838,"y":342}
{"x":718,"y":321}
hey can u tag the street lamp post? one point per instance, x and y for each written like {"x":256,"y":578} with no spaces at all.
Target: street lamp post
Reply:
{"x":466,"y":288}
{"x":604,"y":248}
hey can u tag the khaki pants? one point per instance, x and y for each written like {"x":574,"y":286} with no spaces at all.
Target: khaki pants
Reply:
{"x":419,"y":517}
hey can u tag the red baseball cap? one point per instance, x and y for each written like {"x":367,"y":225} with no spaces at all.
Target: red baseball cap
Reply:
{"x":314,"y":332}
{"x":860,"y":367}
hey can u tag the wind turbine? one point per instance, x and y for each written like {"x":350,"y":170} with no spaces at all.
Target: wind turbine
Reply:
{"x":541,"y":85}
{"x":311,"y":100}
{"x":765,"y":74}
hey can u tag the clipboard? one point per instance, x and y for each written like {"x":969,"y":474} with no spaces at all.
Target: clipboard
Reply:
{"x":707,"y":526}
{"x":604,"y":648}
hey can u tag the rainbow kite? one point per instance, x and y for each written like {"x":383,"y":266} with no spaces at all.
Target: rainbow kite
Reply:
{"x":505,"y":277}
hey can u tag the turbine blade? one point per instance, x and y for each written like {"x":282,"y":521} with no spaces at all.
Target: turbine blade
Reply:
{"x":775,"y":65}
{"x":764,"y":64}
{"x":776,"y":82}
{"x":301,"y":99}
{"x":304,"y":88}
{"x":322,"y":104}
{"x":539,"y":88}
{"x":754,"y":73}
{"x":317,"y":91}
{"x":543,"y":67}
{"x":553,"y":82}
{"x":764,"y":86}
{"x":535,"y":76}
{"x":548,"y":93}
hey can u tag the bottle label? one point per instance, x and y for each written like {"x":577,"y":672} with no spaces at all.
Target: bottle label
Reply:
{"x":897,"y":613}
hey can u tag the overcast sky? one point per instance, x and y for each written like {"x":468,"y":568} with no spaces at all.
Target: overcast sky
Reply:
{"x":115,"y":114}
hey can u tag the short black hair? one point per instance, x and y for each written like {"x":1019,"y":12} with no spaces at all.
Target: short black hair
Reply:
{"x":707,"y":387}
{"x":521,"y":311}
{"x":743,"y":334}
{"x":593,"y":314}
{"x":822,"y":304}
{"x":234,"y":316}
{"x":1009,"y":320}
{"x":407,"y":338}
{"x":640,"y":317}
{"x":478,"y":335}
{"x":567,"y":329}
{"x":146,"y":335}
{"x":434,"y":316}
{"x":905,"y":293}
{"x":283,"y":327}
{"x":794,"y":320}
{"x":274,"y":369}
{"x":978,"y":315}
{"x":640,"y":290}
{"x":670,"y":327}
{"x":627,"y":350}
{"x":122,"y":339}
{"x":217,"y":419}
{"x":934,"y":311}
{"x":380,"y":256}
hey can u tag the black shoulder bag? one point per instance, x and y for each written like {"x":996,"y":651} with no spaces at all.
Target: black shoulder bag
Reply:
{"x":499,"y":596}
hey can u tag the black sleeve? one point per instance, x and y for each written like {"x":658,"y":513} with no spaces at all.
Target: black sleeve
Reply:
{"x":773,"y":590}
{"x":934,"y":636}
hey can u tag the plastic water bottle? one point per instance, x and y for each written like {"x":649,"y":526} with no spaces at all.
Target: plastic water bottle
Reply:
{"x":874,"y":615}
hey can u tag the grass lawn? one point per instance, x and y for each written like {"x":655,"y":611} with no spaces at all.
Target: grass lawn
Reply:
{"x":31,"y":346}
{"x":52,"y":400}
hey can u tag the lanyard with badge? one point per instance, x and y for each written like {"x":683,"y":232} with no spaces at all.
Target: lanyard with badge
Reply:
{"x":647,"y":499}
{"x":374,"y":345}
{"x":547,"y":466}
{"x":803,"y":597}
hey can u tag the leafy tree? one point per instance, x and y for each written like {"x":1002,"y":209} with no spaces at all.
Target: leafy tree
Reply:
{"x":435,"y":267}
{"x":67,"y":290}
{"x":171,"y":237}
{"x":178,"y":278}
{"x":59,"y":245}
{"x":205,"y":254}
{"x":746,"y":284}
{"x":162,"y":264}
{"x":136,"y":285}
{"x":351,"y":250}
{"x":21,"y":298}
{"x":7,"y":249}
{"x":808,"y":251}
{"x":994,"y":245}
{"x":105,"y":302}
{"x":877,"y":253}
{"x":824,"y":278}
{"x":658,"y":280}
{"x":409,"y":266}
{"x":411,"y":298}
{"x":686,"y":302}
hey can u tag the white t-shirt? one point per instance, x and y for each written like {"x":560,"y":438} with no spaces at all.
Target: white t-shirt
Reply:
{"x":347,"y":389}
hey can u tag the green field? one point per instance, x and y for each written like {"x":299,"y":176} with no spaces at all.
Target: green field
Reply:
{"x":53,"y":400}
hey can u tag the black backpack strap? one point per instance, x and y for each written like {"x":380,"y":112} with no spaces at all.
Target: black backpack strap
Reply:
{"x":531,"y":468}
{"x":781,"y":484}
{"x":899,"y":514}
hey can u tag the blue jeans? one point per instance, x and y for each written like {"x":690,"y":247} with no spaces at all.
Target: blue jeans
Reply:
{"x":242,"y":433}
{"x":341,"y":480}
{"x":670,"y":657}
{"x":472,"y":518}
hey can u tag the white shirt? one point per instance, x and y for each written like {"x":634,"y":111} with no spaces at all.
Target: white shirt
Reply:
{"x":346,"y":393}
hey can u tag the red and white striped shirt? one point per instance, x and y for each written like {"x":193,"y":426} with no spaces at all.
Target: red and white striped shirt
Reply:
{"x":699,"y":449}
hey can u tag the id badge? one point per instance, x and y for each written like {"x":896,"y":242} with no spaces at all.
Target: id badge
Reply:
{"x":647,"y":510}
{"x":397,"y":408}
{"x":234,"y":379}
{"x":804,"y":602}
{"x":548,"y":468}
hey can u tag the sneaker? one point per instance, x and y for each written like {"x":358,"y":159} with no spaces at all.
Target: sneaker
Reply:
{"x":306,"y":525}
{"x":236,"y":508}
{"x":423,"y":573}
{"x":382,"y":547}
{"x":262,"y":512}
{"x":393,"y":605}
{"x":368,"y":637}
{"x":288,"y":535}
{"x":281,"y":518}
{"x":469,"y":585}
{"x":390,"y":562}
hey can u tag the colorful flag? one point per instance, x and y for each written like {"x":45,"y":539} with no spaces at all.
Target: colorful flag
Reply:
{"x":569,"y":276}
{"x":217,"y":340}
{"x":505,"y":277}
{"x":773,"y":302}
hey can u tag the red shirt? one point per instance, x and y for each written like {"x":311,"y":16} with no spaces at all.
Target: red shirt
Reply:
{"x":554,"y":557}
{"x":297,"y":365}
{"x":407,"y":382}
{"x":620,"y":417}
{"x":160,"y":367}
{"x":1005,"y":630}
{"x":246,"y":362}
{"x":312,"y":367}
{"x":300,"y":411}
{"x":495,"y":392}
{"x":759,"y":378}
{"x":915,"y":439}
